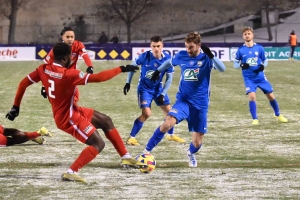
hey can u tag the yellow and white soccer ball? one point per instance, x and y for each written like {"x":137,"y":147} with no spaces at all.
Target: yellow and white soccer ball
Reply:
{"x":149,"y":160}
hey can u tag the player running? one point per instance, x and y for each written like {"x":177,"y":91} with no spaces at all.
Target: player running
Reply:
{"x":252,"y":59}
{"x":147,"y":90}
{"x":192,"y":98}
{"x":80,"y":122}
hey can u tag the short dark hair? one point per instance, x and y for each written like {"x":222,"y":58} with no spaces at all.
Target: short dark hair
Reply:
{"x":61,"y":50}
{"x":193,"y":37}
{"x":66,"y":28}
{"x":156,"y":39}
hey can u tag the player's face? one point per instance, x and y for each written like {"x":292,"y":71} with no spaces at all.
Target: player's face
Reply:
{"x":68,"y":37}
{"x":248,"y":36}
{"x":156,"y":48}
{"x":192,"y":48}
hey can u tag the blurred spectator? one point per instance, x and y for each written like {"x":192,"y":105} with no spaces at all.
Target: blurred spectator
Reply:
{"x":114,"y":39}
{"x":103,"y":38}
{"x":293,"y":43}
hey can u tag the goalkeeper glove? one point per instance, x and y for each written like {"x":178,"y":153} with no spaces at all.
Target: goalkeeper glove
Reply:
{"x":155,"y":76}
{"x":244,"y":66}
{"x":129,"y":68}
{"x":160,"y":100}
{"x":43,"y":92}
{"x":90,"y":70}
{"x":13,"y":113}
{"x":126,"y":88}
{"x":207,"y":51}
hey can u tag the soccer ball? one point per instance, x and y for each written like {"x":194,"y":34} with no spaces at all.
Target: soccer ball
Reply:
{"x":149,"y":160}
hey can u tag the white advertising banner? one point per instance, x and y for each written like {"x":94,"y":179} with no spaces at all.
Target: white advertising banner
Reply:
{"x":220,"y":52}
{"x":92,"y":55}
{"x":17,"y":53}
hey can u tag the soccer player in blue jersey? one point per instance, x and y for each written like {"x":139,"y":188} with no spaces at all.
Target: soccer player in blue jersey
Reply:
{"x":192,"y":98}
{"x":148,"y":91}
{"x":252,"y":59}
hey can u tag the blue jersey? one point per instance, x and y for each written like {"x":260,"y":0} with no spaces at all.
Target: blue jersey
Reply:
{"x":148,"y":65}
{"x":194,"y":82}
{"x":254,"y":56}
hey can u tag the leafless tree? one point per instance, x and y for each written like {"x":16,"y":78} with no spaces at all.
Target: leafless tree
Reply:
{"x":9,"y":9}
{"x":128,"y":11}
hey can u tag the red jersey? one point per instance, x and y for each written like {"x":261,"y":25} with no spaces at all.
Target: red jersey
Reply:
{"x":60,"y":84}
{"x":77,"y":49}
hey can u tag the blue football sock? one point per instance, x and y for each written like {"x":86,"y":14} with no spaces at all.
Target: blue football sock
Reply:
{"x":193,"y":149}
{"x":171,"y":131}
{"x":275,"y":107}
{"x":252,"y":107}
{"x":137,"y":125}
{"x":155,"y":139}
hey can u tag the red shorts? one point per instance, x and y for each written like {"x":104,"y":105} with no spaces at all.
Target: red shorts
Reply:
{"x":3,"y":139}
{"x":80,"y":126}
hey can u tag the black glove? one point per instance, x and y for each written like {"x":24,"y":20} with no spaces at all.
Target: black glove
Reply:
{"x":90,"y":70}
{"x":43,"y":92}
{"x":13,"y":113}
{"x":244,"y":66}
{"x":155,"y":76}
{"x":261,"y":68}
{"x":207,"y":51}
{"x":160,"y":99}
{"x":126,"y":88}
{"x":129,"y":68}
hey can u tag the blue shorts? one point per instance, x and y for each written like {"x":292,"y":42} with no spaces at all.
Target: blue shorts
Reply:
{"x":145,"y":99}
{"x":264,"y":85}
{"x":196,"y":118}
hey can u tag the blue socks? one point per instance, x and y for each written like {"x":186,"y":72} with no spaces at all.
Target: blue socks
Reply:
{"x":193,"y":149}
{"x":171,"y":131}
{"x":137,"y":125}
{"x":252,"y":107}
{"x":155,"y":139}
{"x":275,"y":107}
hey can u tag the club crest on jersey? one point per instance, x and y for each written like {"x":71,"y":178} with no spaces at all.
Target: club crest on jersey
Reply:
{"x":252,"y":61}
{"x":191,"y":62}
{"x":191,"y":74}
{"x":199,"y":63}
{"x":155,"y":65}
{"x":256,"y":53}
{"x":81,"y":74}
{"x":74,"y":54}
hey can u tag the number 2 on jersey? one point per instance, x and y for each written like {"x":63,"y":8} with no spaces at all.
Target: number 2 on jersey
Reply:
{"x":51,"y":89}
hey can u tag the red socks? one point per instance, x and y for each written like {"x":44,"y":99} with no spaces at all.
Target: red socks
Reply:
{"x":32,"y":135}
{"x":115,"y":138}
{"x":86,"y":156}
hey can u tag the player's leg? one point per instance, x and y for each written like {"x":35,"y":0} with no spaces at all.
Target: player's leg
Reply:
{"x":176,"y":115}
{"x":266,"y":87}
{"x":166,"y":107}
{"x":100,"y":120}
{"x":251,"y":92}
{"x":197,"y":124}
{"x":15,"y":136}
{"x":84,"y":131}
{"x":144,"y":102}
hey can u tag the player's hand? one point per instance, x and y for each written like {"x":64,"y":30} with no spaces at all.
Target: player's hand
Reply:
{"x":126,"y":88}
{"x":129,"y":68}
{"x":90,"y":70}
{"x":43,"y":92}
{"x":160,"y":99}
{"x":155,"y":76}
{"x":261,"y":68}
{"x":13,"y":113}
{"x":244,"y":66}
{"x":207,"y":51}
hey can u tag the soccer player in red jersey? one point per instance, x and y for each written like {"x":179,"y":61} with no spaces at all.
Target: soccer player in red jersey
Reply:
{"x":12,"y":136}
{"x":68,"y":37}
{"x":80,"y":122}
